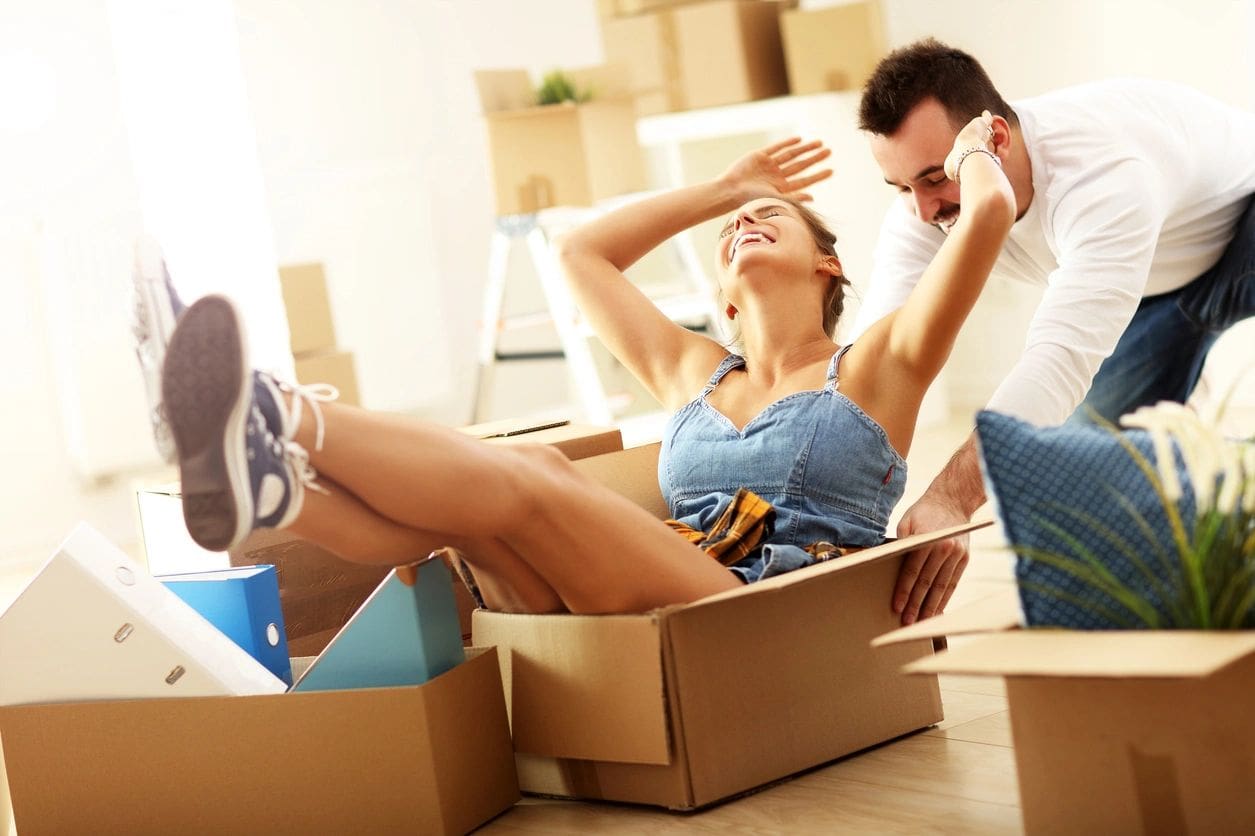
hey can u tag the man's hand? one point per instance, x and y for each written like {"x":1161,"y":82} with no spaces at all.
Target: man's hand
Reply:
{"x":930,"y":573}
{"x":785,"y":168}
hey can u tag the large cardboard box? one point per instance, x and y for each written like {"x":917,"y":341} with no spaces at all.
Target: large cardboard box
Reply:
{"x":834,"y":48}
{"x":334,"y":367}
{"x":699,"y":54}
{"x":1114,"y":731}
{"x":431,"y":758}
{"x":688,"y":705}
{"x":556,"y":155}
{"x":305,"y":298}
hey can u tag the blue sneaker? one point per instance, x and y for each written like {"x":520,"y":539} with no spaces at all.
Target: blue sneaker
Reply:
{"x":239,"y":467}
{"x":157,"y":308}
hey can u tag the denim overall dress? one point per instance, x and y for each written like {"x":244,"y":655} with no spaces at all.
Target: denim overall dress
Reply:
{"x":826,"y":467}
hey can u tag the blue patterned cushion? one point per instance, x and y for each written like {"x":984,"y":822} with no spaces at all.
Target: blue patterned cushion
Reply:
{"x":1074,"y":490}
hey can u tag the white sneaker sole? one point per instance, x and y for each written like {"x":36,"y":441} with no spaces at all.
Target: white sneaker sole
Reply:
{"x":207,"y":389}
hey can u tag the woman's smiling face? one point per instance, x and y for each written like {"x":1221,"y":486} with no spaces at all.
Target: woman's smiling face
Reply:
{"x":764,"y":228}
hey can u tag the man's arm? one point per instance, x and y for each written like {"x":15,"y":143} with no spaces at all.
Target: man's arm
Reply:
{"x":929,"y":575}
{"x":1106,"y":229}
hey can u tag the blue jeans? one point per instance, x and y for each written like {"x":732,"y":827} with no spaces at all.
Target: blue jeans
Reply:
{"x":1161,"y":353}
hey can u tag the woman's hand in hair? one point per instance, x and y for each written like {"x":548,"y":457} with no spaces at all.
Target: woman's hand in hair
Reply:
{"x":977,"y":136}
{"x":785,"y":168}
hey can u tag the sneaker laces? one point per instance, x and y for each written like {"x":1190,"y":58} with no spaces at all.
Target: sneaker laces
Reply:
{"x":312,"y":394}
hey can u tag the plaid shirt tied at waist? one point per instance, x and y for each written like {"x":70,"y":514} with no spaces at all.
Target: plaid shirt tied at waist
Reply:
{"x":741,"y":528}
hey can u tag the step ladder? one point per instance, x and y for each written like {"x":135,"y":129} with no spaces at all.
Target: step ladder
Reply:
{"x":689,"y":302}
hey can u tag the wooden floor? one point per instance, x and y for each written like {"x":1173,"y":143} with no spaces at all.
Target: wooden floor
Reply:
{"x":958,"y":777}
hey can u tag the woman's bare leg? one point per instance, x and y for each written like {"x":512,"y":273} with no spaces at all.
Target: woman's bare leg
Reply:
{"x":599,"y":551}
{"x":346,"y":526}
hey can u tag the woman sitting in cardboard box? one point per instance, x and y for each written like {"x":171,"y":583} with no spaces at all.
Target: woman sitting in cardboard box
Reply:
{"x":785,"y":453}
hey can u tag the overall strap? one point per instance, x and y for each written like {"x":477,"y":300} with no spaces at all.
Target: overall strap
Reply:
{"x":833,"y":377}
{"x":726,"y":365}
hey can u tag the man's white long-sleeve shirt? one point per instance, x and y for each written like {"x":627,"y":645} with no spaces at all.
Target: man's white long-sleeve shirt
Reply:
{"x":1136,"y":188}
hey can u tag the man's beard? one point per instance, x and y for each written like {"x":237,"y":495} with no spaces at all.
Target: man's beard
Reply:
{"x":946,"y":218}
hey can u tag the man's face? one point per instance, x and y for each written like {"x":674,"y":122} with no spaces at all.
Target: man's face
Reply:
{"x":911,"y":160}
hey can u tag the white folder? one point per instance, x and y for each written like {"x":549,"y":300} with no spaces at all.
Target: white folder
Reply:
{"x":94,"y":625}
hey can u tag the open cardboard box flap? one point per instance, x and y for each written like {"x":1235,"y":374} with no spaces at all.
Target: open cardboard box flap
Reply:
{"x":875,"y":554}
{"x":581,"y":672}
{"x":1108,"y":654}
{"x":995,"y":612}
{"x":1005,"y":650}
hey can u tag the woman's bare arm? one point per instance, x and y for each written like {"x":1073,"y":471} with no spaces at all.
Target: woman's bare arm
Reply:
{"x":669,"y":360}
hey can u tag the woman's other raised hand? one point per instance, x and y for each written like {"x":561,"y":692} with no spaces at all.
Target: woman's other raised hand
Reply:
{"x":784,"y":168}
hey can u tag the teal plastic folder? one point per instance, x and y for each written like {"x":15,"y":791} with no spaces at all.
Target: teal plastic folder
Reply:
{"x":401,"y":635}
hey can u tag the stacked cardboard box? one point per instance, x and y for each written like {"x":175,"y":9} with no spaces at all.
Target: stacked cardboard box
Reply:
{"x":313,"y":334}
{"x":834,"y":48}
{"x":1115,"y":731}
{"x":677,"y":56}
{"x":688,"y":705}
{"x":564,"y":154}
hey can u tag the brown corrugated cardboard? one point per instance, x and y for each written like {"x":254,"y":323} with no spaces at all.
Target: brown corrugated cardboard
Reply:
{"x":334,"y":367}
{"x":698,"y":55}
{"x":556,"y":155}
{"x":433,"y":758}
{"x":318,"y":591}
{"x":305,"y":298}
{"x":1115,"y":731}
{"x":575,"y":441}
{"x":688,"y":705}
{"x":834,"y":48}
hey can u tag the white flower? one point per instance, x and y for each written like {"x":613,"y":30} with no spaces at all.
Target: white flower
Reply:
{"x":1210,"y":460}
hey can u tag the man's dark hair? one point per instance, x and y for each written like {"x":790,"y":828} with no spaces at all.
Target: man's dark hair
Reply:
{"x":922,"y":70}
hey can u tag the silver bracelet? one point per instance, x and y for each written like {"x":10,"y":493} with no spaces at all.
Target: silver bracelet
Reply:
{"x":967,"y":152}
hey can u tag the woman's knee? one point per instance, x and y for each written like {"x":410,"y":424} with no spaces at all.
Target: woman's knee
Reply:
{"x":542,"y":480}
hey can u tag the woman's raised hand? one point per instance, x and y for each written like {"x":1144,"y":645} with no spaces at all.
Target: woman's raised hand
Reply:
{"x":785,"y":168}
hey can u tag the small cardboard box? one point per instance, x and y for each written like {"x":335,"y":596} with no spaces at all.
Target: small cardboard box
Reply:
{"x":556,"y":155}
{"x":305,"y":298}
{"x":834,"y":48}
{"x":431,"y":758}
{"x":689,"y":705}
{"x":334,"y":367}
{"x":1115,"y":731}
{"x":698,"y":55}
